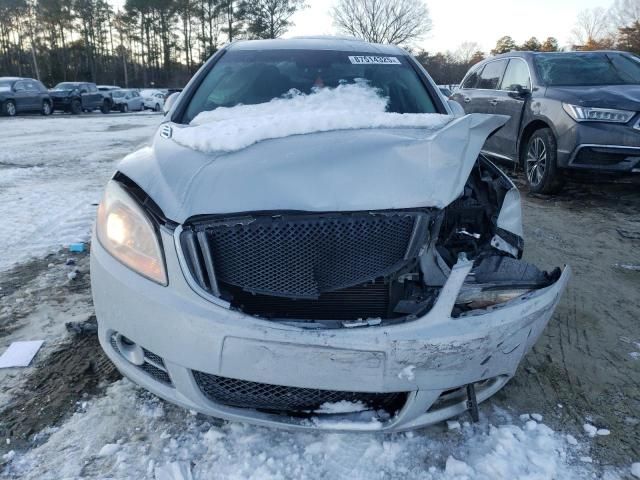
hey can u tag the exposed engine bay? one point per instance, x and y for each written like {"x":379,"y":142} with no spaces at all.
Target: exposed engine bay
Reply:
{"x":350,"y":269}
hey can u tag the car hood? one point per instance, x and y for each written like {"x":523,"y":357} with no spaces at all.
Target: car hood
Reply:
{"x":61,"y":93}
{"x":625,"y":97}
{"x":342,"y":170}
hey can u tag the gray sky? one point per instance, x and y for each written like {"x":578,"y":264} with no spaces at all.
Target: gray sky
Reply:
{"x":482,"y":21}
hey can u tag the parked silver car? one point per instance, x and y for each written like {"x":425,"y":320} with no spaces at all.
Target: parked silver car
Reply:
{"x":313,"y":241}
{"x":127,"y":100}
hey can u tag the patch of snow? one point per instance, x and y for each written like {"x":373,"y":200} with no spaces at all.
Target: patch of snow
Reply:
{"x":537,"y":417}
{"x":153,"y":435}
{"x":603,"y":432}
{"x":407,"y":373}
{"x":108,"y":450}
{"x":571,"y":440}
{"x":343,"y":406}
{"x":590,"y":429}
{"x":525,"y":417}
{"x":346,"y":107}
{"x":634,"y":355}
{"x":635,"y":469}
{"x":174,"y":471}
{"x":453,"y":425}
{"x":586,"y":459}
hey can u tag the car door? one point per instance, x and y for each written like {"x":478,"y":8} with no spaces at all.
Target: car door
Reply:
{"x":464,"y":95}
{"x":485,"y":98}
{"x":85,"y":96}
{"x":511,"y":97}
{"x":137,"y":101}
{"x":95,"y":97}
{"x":21,"y":96}
{"x":33,"y":95}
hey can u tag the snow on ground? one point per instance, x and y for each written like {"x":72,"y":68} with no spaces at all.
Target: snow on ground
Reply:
{"x":131,"y":434}
{"x":52,"y":172}
{"x":349,"y":106}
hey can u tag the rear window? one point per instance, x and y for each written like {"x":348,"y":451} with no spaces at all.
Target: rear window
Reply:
{"x":578,"y":69}
{"x":252,"y":77}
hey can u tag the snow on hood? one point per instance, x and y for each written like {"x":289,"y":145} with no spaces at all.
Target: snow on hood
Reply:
{"x":343,"y":170}
{"x":346,"y":107}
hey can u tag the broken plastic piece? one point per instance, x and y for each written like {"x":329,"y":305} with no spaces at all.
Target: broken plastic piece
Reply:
{"x":76,"y":247}
{"x":20,"y":354}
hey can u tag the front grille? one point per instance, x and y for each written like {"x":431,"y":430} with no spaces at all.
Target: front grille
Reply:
{"x":278,"y":398}
{"x":301,"y":256}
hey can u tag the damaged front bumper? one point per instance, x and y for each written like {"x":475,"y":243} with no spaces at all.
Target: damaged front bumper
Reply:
{"x":428,"y":361}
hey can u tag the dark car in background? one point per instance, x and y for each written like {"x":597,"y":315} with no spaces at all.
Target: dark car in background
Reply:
{"x":569,"y":111}
{"x":78,"y":97}
{"x":18,"y":95}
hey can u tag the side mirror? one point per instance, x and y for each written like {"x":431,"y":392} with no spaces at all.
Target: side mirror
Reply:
{"x":518,"y":91}
{"x":168,"y":103}
{"x":456,"y":108}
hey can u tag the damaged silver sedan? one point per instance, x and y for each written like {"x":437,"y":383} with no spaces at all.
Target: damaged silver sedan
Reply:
{"x":312,"y":240}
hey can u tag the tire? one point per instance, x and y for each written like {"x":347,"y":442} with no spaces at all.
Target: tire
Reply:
{"x":156,"y":108}
{"x":124,"y":108}
{"x":76,"y":107}
{"x":9,"y":108}
{"x":105,"y":107}
{"x":46,"y":108}
{"x":540,"y":163}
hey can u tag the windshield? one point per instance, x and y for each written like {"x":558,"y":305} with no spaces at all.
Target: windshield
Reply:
{"x":573,"y":69}
{"x":253,"y":77}
{"x":66,"y":86}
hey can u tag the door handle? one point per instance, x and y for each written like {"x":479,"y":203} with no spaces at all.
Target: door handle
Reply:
{"x":467,"y":99}
{"x":493,"y":102}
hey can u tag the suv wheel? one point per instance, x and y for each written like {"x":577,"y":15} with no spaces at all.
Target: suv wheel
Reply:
{"x":76,"y":107}
{"x":124,"y":108}
{"x":540,"y":164}
{"x":46,"y":108}
{"x":9,"y":108}
{"x":106,"y":107}
{"x":156,"y":108}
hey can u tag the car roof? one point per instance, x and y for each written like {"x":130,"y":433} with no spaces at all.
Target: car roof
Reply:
{"x":13,"y":79}
{"x":346,"y":44}
{"x":530,"y":53}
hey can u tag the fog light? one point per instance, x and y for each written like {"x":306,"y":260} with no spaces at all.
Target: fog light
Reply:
{"x":130,"y":350}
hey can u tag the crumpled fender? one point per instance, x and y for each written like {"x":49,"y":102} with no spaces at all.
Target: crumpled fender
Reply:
{"x":345,"y":170}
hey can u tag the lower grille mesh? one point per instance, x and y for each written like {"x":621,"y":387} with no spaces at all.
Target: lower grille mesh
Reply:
{"x":278,"y":398}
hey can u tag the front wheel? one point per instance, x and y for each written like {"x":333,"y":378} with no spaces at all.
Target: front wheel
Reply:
{"x":156,"y":108}
{"x":76,"y":107}
{"x":9,"y":108}
{"x":105,"y":107}
{"x":540,"y":163}
{"x":46,"y":108}
{"x":124,"y":108}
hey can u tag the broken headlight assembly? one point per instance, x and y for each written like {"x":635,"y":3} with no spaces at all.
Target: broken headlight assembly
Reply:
{"x":594,"y":114}
{"x":127,"y":233}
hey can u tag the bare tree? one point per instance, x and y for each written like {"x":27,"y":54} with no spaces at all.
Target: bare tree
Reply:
{"x":466,"y":50}
{"x":625,"y":12}
{"x":592,"y":30}
{"x":383,"y":21}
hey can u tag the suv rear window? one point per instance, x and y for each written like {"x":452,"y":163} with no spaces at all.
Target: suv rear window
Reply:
{"x":575,"y":69}
{"x":251,"y":77}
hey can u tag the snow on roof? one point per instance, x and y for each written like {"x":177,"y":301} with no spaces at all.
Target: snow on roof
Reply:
{"x":319,"y":42}
{"x":346,"y":107}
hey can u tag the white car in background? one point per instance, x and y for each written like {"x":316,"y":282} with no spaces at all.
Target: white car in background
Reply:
{"x":153,"y":99}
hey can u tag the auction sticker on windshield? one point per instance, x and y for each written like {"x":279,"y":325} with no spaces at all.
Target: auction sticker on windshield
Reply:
{"x":371,"y":60}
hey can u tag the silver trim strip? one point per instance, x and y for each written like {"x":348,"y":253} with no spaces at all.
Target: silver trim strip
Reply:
{"x":187,"y":274}
{"x":497,"y":155}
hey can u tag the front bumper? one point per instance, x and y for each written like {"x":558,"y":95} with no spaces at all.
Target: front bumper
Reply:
{"x":599,"y":146}
{"x":425,"y":357}
{"x":61,"y":103}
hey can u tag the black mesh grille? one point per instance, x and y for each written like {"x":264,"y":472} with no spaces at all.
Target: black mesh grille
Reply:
{"x":157,"y":373}
{"x":264,"y":396}
{"x":300,"y":256}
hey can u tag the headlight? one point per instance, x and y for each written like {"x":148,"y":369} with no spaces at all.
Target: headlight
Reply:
{"x":593,"y":114}
{"x":126,"y":232}
{"x":479,"y":297}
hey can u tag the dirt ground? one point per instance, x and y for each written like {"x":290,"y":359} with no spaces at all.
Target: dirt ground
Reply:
{"x":581,"y":370}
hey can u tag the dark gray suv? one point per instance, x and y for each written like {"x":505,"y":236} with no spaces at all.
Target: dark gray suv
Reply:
{"x":569,"y":110}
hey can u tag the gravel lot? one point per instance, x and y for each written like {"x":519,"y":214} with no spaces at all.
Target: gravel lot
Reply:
{"x":584,"y":369}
